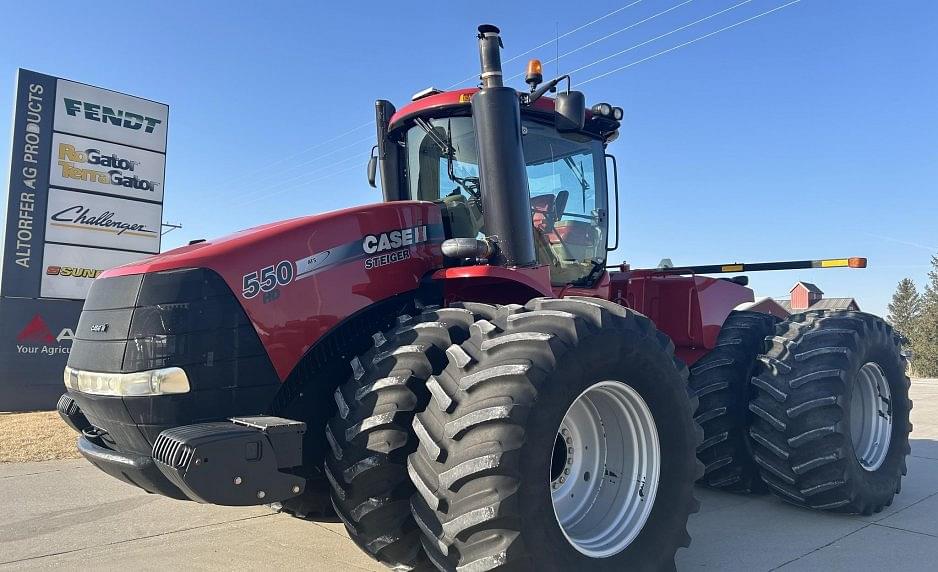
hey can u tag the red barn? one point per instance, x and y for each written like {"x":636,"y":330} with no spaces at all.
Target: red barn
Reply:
{"x":807,"y":296}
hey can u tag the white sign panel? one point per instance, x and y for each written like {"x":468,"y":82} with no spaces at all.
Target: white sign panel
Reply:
{"x":106,"y":168}
{"x":67,"y":271}
{"x":110,"y":116}
{"x":84,"y":219}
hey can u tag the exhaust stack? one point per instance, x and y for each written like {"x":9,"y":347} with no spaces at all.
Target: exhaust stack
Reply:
{"x":496,"y":115}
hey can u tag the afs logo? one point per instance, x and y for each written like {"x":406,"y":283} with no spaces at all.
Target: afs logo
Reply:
{"x":36,"y":332}
{"x":37,"y":338}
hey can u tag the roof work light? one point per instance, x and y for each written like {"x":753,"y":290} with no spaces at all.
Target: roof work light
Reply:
{"x":534,"y":73}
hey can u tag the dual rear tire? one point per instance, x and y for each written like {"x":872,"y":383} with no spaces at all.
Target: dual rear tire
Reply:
{"x":814,"y":408}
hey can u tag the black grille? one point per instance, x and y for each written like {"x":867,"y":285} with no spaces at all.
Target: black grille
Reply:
{"x":181,"y":318}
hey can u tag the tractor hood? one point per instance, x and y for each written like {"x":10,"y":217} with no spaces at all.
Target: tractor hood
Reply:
{"x":297,"y":279}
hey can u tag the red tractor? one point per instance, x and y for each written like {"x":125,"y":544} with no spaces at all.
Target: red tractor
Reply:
{"x":459,"y":375}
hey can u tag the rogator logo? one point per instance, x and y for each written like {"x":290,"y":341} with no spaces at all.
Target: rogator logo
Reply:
{"x":37,"y":338}
{"x":79,"y":216}
{"x":71,"y":158}
{"x":104,"y":114}
{"x":73,"y":272}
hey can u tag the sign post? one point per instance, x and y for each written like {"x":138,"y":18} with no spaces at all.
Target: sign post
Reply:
{"x":85,"y":194}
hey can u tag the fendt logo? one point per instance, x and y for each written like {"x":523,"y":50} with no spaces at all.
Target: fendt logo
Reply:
{"x":69,"y":157}
{"x":104,"y":114}
{"x":37,"y":338}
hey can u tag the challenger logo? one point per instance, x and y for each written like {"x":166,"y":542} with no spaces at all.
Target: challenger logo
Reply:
{"x":73,"y":272}
{"x":113,"y":171}
{"x":79,"y":216}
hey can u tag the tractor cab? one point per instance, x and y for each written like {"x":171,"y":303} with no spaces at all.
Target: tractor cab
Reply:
{"x":429,"y":151}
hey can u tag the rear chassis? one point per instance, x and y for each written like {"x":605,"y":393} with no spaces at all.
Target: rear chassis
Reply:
{"x":211,"y":444}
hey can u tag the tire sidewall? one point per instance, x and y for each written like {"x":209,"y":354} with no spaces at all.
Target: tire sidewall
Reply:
{"x":641,"y":363}
{"x":880,"y":485}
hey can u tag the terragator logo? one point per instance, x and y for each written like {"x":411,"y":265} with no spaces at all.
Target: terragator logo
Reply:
{"x":104,"y":114}
{"x":69,"y":156}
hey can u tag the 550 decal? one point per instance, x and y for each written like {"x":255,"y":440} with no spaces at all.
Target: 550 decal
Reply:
{"x":267,"y":279}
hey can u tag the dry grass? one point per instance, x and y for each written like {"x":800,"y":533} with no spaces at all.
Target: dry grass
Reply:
{"x":40,"y":436}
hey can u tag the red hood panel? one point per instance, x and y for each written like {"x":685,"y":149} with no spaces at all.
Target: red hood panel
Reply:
{"x":320,"y":269}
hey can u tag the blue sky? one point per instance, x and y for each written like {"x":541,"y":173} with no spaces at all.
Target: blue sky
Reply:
{"x":809,"y":132}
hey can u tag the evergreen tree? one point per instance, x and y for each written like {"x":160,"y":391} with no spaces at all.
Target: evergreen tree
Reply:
{"x":905,"y":308}
{"x":925,"y":334}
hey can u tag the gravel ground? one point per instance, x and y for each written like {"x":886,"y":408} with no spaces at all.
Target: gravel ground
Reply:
{"x":39,"y":436}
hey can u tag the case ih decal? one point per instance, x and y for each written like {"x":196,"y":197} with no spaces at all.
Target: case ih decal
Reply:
{"x":394,"y":239}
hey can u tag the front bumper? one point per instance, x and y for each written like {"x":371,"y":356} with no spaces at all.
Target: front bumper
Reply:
{"x":251,"y":459}
{"x":136,"y":470}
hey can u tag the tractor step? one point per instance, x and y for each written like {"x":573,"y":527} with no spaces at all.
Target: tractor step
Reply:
{"x":236,"y":463}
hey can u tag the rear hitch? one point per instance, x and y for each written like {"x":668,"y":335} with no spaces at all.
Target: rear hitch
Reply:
{"x":236,"y":463}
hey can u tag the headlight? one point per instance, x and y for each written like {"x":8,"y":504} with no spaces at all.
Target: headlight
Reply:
{"x":154,"y":382}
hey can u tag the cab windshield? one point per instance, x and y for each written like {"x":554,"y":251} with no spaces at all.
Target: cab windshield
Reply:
{"x":566,"y":180}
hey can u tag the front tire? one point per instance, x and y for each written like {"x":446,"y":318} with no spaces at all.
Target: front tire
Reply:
{"x":371,"y":437}
{"x":831,"y":427}
{"x":491,"y":477}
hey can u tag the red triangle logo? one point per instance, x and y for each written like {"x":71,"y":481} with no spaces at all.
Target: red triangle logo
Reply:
{"x":36,"y":331}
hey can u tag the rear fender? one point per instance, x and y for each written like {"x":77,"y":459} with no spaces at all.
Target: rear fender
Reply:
{"x":493,"y":284}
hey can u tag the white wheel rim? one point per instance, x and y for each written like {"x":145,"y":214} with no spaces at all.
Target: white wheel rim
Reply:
{"x":871,"y":417}
{"x":608,"y":431}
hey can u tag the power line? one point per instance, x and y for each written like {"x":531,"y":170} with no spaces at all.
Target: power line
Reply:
{"x":267,"y":166}
{"x":695,"y":40}
{"x":516,"y":57}
{"x":316,"y":179}
{"x":264,"y":190}
{"x":555,"y":39}
{"x":658,"y":37}
{"x":663,"y":52}
{"x":607,"y":36}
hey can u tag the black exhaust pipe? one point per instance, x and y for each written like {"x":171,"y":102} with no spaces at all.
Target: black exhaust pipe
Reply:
{"x":496,"y":115}
{"x":388,"y":154}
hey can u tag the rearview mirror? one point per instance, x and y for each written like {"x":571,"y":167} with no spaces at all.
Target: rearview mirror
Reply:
{"x":570,"y":108}
{"x":373,"y":168}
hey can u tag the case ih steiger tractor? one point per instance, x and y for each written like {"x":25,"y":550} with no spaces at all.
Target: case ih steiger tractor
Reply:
{"x":458,"y":374}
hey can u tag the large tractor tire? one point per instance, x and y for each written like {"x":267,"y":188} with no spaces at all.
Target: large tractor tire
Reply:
{"x":370,"y":437}
{"x":720,"y":380}
{"x":560,"y":436}
{"x":831,"y":427}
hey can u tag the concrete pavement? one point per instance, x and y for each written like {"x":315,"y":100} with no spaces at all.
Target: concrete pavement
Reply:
{"x":67,"y":514}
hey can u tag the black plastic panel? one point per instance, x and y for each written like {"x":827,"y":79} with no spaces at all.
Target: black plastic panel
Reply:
{"x":185,"y":285}
{"x":205,"y":347}
{"x":104,"y":325}
{"x":111,"y":293}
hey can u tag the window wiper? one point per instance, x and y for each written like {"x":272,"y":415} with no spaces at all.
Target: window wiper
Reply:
{"x":469,"y":184}
{"x":598,"y":267}
{"x":578,"y":173}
